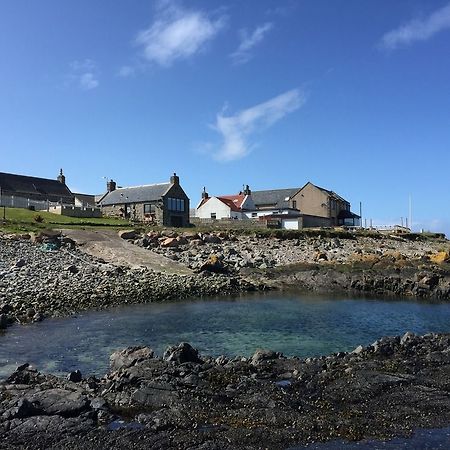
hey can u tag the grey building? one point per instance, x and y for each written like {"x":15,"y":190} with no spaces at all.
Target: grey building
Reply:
{"x":36,"y":189}
{"x":161,"y":203}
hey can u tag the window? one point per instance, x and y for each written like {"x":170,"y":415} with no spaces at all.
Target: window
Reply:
{"x":148,"y":209}
{"x":294,"y":204}
{"x":175,"y":204}
{"x":254,"y":214}
{"x":213,"y":216}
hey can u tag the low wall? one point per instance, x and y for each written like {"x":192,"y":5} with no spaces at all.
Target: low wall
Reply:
{"x":228,"y":223}
{"x":75,"y":211}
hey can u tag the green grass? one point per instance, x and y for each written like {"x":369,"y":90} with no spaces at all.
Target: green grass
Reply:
{"x":20,"y":220}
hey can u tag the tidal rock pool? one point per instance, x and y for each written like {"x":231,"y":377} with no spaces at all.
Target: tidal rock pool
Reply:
{"x":300,"y":325}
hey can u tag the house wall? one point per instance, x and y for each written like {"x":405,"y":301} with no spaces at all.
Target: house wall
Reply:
{"x":215,"y":206}
{"x":312,"y":201}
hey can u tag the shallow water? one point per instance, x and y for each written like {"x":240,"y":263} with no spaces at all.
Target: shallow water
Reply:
{"x":299,"y":325}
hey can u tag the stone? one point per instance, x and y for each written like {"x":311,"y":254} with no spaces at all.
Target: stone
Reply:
{"x":74,"y":376}
{"x":182,"y":353}
{"x":213,"y":264}
{"x":128,"y":234}
{"x":72,"y":269}
{"x":211,"y":239}
{"x":60,"y":402}
{"x":263,"y":355}
{"x":129,"y":357}
{"x":3,"y":321}
{"x":440,"y":257}
{"x":20,"y":263}
{"x":170,"y":242}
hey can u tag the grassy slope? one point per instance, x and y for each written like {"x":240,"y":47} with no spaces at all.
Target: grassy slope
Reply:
{"x":21,"y":220}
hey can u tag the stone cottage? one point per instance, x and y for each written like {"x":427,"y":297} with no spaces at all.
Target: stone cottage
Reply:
{"x":160,"y":204}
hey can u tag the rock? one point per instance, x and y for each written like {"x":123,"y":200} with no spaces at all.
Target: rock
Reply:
{"x":128,"y":234}
{"x":72,"y":269}
{"x":263,"y":355}
{"x":60,"y":402}
{"x":182,"y":353}
{"x":74,"y":376}
{"x":3,"y":321}
{"x":129,"y":357}
{"x":211,"y":239}
{"x":20,"y":263}
{"x":321,"y":256}
{"x":440,"y":257}
{"x":170,"y":242}
{"x":213,"y":264}
{"x":407,"y":338}
{"x":358,"y":350}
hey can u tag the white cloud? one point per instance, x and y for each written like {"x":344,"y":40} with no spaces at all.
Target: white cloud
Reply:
{"x":177,"y":34}
{"x":88,"y":81}
{"x":84,"y":74}
{"x":248,"y":42}
{"x":236,"y":129}
{"x":417,"y":30}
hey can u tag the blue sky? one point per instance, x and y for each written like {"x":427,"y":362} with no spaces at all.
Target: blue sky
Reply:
{"x":352,"y":95}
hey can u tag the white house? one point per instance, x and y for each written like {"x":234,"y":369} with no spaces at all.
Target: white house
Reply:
{"x":224,"y":207}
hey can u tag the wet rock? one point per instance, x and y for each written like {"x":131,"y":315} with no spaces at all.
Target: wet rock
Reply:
{"x":74,"y":376}
{"x":3,"y":321}
{"x":182,"y":353}
{"x":60,"y":402}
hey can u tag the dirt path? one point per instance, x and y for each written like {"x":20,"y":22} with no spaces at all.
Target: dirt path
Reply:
{"x":113,"y":249}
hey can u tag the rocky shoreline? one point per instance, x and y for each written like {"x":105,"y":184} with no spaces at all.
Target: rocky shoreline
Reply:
{"x":39,"y":279}
{"x":186,"y":400}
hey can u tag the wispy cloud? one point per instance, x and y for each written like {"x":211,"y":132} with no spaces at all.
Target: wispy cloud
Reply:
{"x":417,"y":30}
{"x":177,"y":34}
{"x":237,"y":129}
{"x":248,"y":42}
{"x":84,"y":74}
{"x":126,"y":71}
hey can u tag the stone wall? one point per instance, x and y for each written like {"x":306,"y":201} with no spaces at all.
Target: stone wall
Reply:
{"x":75,"y":211}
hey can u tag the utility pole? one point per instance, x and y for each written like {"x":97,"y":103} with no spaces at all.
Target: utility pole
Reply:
{"x":410,"y":212}
{"x":360,"y":213}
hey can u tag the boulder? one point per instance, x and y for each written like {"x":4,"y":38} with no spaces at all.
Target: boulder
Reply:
{"x":263,"y":355}
{"x":3,"y":321}
{"x":182,"y":353}
{"x":129,"y":357}
{"x":170,"y":242}
{"x":213,"y":264}
{"x":74,"y":376}
{"x":128,"y":234}
{"x":440,"y":257}
{"x":212,"y":239}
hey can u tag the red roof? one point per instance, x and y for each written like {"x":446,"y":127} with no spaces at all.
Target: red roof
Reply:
{"x":234,"y":202}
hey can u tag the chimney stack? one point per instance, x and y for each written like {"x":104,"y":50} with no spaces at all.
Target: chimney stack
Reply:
{"x":110,"y":185}
{"x":247,"y":190}
{"x":61,"y":178}
{"x":204,"y":193}
{"x":174,"y":179}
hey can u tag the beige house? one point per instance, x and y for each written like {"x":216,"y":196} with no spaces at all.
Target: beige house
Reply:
{"x":322,"y":207}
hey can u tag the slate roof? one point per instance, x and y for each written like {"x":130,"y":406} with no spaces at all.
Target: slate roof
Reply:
{"x":24,"y":185}
{"x":275,"y":198}
{"x":136,"y":194}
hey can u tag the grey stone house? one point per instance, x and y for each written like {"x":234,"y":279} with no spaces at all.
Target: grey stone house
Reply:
{"x":161,"y":204}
